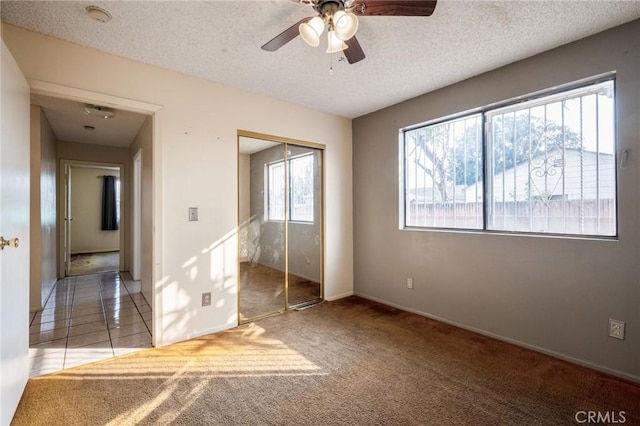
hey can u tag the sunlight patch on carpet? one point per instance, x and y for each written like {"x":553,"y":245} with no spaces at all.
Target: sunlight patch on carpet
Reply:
{"x":245,"y":355}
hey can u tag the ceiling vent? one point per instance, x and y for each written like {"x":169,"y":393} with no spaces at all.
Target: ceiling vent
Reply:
{"x":98,"y":14}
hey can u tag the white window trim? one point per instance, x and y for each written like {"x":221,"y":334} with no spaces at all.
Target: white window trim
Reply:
{"x":288,"y":192}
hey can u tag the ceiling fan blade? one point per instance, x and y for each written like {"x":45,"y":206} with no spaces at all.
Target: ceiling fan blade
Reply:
{"x":354,"y":53}
{"x":284,"y":37}
{"x":395,"y":7}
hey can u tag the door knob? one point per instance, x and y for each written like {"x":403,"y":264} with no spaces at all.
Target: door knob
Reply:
{"x":13,"y":242}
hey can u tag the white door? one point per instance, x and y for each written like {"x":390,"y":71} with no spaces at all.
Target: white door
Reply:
{"x":137,"y":213}
{"x":67,"y":220}
{"x":14,"y":223}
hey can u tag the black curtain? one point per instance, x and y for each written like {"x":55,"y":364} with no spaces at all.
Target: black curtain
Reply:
{"x":109,"y":204}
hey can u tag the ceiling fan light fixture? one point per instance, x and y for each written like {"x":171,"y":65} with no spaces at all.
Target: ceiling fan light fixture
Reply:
{"x":335,"y":45}
{"x":345,"y":24}
{"x":311,"y":31}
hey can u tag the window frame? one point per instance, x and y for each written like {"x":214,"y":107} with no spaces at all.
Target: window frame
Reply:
{"x":267,"y":185}
{"x":118,"y":198}
{"x":487,"y":180}
{"x":403,"y":160}
{"x":288,"y":209}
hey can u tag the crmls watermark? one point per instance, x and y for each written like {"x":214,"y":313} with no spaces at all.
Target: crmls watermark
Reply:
{"x":601,"y":417}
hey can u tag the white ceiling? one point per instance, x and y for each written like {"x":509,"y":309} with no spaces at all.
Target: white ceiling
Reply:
{"x":406,"y":56}
{"x":68,"y":118}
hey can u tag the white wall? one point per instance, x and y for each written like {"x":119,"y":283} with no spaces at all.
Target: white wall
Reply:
{"x":86,"y":211}
{"x":43,"y":209}
{"x":48,"y":200}
{"x":144,"y":141}
{"x":14,"y":222}
{"x":552,"y":294}
{"x":195,"y":165}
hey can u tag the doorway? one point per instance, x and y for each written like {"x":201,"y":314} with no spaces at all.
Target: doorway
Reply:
{"x":150,"y":247}
{"x":109,"y":311}
{"x":281,"y":224}
{"x":92,"y":213}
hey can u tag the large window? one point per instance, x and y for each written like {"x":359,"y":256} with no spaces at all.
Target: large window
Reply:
{"x":300,"y":189}
{"x":546,"y":165}
{"x":443,"y":174}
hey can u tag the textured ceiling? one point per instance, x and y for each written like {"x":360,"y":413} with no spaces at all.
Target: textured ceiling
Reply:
{"x":406,"y":56}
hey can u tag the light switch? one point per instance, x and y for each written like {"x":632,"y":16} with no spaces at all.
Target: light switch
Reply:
{"x":193,"y":214}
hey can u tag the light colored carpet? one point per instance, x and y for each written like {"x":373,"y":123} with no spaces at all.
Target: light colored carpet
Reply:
{"x":348,"y":362}
{"x":94,"y":263}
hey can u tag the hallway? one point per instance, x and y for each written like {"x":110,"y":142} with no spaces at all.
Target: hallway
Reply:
{"x":88,"y":318}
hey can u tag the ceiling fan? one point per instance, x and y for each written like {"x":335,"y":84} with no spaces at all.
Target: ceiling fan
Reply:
{"x":340,"y":19}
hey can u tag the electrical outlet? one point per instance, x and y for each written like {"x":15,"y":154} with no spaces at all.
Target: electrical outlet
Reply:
{"x":193,"y":214}
{"x":206,"y":299}
{"x":410,"y":283}
{"x":616,"y":329}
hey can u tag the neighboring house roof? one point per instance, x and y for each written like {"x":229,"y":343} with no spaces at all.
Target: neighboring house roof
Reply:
{"x":544,"y":177}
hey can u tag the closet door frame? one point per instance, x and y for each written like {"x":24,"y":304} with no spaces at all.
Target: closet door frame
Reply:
{"x":300,"y":143}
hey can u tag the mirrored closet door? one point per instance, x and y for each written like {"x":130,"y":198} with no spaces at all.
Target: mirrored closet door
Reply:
{"x":280,"y":225}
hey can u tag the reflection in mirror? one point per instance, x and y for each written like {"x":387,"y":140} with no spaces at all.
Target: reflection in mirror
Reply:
{"x":304,"y":233}
{"x":280,"y":233}
{"x":262,"y":228}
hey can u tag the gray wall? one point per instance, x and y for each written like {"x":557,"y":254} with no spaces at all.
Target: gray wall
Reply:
{"x":304,"y":238}
{"x":244,"y":203}
{"x":552,"y":294}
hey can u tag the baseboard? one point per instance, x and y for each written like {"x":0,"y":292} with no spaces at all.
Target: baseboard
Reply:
{"x":558,"y":355}
{"x":340,"y":296}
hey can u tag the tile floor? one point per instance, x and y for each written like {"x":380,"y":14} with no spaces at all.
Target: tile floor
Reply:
{"x":88,"y":318}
